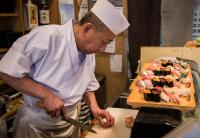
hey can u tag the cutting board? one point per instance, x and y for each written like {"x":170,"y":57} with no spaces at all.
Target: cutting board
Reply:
{"x":119,"y":130}
{"x":136,"y":99}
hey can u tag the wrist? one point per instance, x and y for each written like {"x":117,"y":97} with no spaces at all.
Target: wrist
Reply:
{"x":46,"y":95}
{"x":95,"y":109}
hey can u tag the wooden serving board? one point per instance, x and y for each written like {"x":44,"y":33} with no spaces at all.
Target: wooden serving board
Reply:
{"x":136,"y":99}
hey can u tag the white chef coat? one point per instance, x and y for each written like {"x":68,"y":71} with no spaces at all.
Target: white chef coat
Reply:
{"x":49,"y":55}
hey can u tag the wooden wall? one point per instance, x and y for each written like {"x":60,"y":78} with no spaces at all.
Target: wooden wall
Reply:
{"x":150,"y":53}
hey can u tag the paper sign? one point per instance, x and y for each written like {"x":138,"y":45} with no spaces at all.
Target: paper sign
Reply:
{"x":66,"y":10}
{"x":116,"y":63}
{"x":110,"y":47}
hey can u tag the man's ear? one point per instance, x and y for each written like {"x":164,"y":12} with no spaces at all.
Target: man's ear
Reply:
{"x":87,"y":27}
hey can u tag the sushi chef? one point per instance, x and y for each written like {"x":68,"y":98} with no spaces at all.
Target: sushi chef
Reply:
{"x":54,"y":65}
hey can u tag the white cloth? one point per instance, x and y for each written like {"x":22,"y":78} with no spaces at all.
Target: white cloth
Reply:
{"x":112,"y":18}
{"x":50,"y":57}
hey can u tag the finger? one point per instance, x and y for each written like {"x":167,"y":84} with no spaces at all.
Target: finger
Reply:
{"x":109,"y":120}
{"x":64,"y":113}
{"x":57,"y":113}
{"x":53,"y":114}
{"x":102,"y":123}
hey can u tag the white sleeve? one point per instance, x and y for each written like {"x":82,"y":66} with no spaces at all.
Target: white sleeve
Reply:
{"x":26,"y":51}
{"x":94,"y":84}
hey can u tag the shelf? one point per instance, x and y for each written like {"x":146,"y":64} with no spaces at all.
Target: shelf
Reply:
{"x":3,"y":50}
{"x":9,"y":14}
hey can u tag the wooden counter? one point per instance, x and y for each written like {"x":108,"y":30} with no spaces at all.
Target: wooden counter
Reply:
{"x":136,"y":99}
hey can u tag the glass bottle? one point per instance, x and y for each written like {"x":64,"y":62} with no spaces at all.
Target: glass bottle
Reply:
{"x":43,"y":13}
{"x":30,"y":15}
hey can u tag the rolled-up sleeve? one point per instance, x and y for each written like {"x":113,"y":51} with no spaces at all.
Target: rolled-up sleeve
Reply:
{"x":26,"y":51}
{"x":94,"y":84}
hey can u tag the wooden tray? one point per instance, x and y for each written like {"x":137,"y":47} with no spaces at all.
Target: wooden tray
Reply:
{"x":136,"y":99}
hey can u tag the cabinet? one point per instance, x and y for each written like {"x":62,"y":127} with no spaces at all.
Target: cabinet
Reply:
{"x":12,"y":19}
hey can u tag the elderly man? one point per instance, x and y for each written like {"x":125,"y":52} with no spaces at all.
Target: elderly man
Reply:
{"x":54,"y":65}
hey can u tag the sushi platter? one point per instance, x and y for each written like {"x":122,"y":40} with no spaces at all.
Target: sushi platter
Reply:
{"x":163,"y":84}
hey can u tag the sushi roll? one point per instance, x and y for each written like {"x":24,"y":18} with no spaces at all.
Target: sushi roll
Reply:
{"x":162,"y":82}
{"x":147,"y":95}
{"x":156,"y":81}
{"x":167,"y":71}
{"x":162,"y":72}
{"x":157,"y":71}
{"x":164,"y":63}
{"x":170,"y":83}
{"x":155,"y":95}
{"x":170,"y":63}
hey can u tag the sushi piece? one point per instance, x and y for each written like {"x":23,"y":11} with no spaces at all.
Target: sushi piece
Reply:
{"x":167,"y":71}
{"x":185,"y":80}
{"x":169,"y":83}
{"x":170,"y":63}
{"x":168,"y":89}
{"x":147,"y":95}
{"x":176,"y":91}
{"x":155,"y":95}
{"x":157,"y":72}
{"x":148,"y":83}
{"x":162,"y":72}
{"x":164,"y":63}
{"x":149,"y":72}
{"x":164,"y":97}
{"x":156,"y":81}
{"x":173,"y":97}
{"x":141,"y":83}
{"x":162,"y":82}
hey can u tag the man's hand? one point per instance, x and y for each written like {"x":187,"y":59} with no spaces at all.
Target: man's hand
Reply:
{"x":105,"y":119}
{"x":26,"y":85}
{"x":53,"y":104}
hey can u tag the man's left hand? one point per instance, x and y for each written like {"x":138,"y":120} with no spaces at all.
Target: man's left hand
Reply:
{"x":105,"y":119}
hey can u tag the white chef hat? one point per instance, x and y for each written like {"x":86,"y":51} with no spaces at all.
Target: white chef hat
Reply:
{"x":110,"y":16}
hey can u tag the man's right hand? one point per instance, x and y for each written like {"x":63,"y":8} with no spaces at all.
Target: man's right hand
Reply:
{"x":26,"y":85}
{"x":53,"y":104}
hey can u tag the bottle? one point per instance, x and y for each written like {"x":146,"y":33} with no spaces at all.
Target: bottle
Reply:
{"x":43,"y":13}
{"x":31,"y":15}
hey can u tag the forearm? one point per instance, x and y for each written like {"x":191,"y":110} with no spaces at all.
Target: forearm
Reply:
{"x":26,"y":86}
{"x":91,"y":101}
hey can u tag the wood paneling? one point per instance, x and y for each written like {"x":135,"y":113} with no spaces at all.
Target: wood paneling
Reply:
{"x":150,"y":53}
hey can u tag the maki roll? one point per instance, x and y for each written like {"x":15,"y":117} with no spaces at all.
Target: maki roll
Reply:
{"x":162,"y":82}
{"x":156,"y":71}
{"x":156,"y":81}
{"x":155,"y":95}
{"x":162,"y":72}
{"x":170,"y":63}
{"x":170,"y":83}
{"x":147,"y":94}
{"x":152,"y":95}
{"x":164,"y":63}
{"x":167,"y":71}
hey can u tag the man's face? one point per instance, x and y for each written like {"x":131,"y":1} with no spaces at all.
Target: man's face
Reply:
{"x":94,"y":41}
